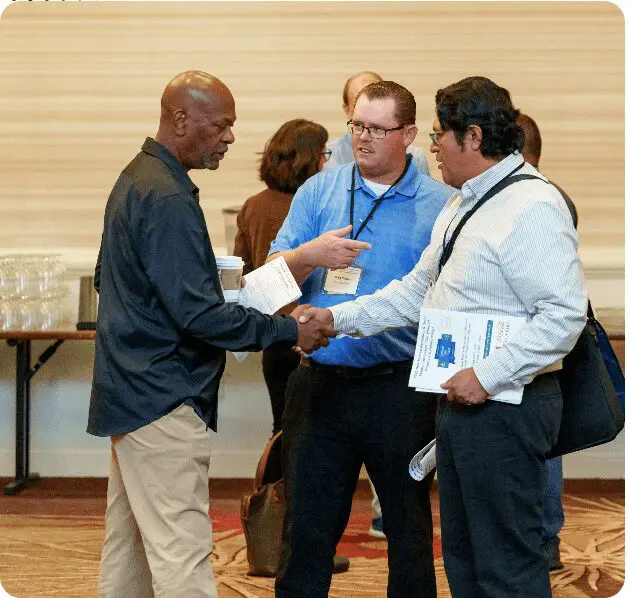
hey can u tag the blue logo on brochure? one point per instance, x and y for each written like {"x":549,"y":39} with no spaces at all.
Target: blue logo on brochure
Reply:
{"x":445,"y":351}
{"x":488,"y":339}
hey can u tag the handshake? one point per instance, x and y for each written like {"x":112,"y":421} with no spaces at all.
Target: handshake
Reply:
{"x":315,"y":327}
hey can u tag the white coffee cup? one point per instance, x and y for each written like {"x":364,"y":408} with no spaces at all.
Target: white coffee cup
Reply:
{"x":230,"y":269}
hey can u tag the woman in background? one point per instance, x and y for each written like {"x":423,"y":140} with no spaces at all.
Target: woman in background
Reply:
{"x":295,"y":152}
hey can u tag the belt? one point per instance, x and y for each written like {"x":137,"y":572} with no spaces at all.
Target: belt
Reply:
{"x":348,"y":372}
{"x":381,"y":369}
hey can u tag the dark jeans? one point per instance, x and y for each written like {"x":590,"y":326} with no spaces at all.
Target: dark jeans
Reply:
{"x":331,"y":426}
{"x":553,"y":516}
{"x":279,"y":361}
{"x":492,"y":475}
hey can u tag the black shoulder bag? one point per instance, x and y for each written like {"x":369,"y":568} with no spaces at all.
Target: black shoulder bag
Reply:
{"x":592,"y":403}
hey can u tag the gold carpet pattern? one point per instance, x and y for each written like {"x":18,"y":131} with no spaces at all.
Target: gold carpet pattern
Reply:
{"x":46,"y":555}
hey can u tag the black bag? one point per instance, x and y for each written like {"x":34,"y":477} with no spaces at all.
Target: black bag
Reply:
{"x":592,"y":407}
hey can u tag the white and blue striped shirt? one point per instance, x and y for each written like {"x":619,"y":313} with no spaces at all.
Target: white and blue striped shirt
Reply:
{"x":517,"y":256}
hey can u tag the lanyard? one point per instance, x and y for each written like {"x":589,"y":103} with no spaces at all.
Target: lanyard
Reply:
{"x":378,"y":201}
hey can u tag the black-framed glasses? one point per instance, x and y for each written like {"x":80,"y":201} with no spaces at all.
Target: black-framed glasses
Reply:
{"x":435,"y":136}
{"x":374,"y":132}
{"x":327,"y":154}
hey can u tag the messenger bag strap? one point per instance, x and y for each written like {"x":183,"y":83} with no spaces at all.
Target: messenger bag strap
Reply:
{"x":500,"y":186}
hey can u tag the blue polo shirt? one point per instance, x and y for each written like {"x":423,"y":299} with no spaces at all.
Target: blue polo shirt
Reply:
{"x":399,"y":231}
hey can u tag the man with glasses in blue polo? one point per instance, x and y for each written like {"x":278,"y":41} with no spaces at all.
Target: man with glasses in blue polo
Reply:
{"x":350,"y":402}
{"x":342,"y":149}
{"x":341,"y":152}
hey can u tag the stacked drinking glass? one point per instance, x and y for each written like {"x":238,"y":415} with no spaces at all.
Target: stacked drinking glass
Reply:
{"x":31,"y":291}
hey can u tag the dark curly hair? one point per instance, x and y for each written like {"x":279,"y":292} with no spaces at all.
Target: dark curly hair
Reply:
{"x":479,"y":101}
{"x":292,"y":155}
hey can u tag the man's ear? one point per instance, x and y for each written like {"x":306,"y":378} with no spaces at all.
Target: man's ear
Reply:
{"x":474,"y":137}
{"x":180,"y":123}
{"x":409,"y":134}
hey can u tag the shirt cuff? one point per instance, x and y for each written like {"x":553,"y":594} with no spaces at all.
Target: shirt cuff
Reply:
{"x":287,"y":331}
{"x":343,"y":318}
{"x":492,"y":380}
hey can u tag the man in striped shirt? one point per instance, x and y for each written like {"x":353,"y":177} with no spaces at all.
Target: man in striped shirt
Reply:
{"x":517,"y":256}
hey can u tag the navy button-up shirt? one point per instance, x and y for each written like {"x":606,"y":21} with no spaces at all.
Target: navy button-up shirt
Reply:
{"x":163,"y":325}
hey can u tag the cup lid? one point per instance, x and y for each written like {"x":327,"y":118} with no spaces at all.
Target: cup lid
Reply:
{"x":229,"y":260}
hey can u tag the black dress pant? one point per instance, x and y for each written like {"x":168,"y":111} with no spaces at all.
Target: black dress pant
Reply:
{"x":279,"y":361}
{"x":491,"y":476}
{"x":331,"y":425}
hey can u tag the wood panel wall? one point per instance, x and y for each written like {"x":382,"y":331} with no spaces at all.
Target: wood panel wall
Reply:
{"x":81,"y":83}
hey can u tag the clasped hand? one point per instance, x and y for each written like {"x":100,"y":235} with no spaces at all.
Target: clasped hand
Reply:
{"x":315,"y":327}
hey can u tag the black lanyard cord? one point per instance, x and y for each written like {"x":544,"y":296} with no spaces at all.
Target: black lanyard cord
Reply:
{"x":378,"y":201}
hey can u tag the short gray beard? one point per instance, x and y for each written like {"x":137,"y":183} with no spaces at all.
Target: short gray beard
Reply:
{"x":208,"y":162}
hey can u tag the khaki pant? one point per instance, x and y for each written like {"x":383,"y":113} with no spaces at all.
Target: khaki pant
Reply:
{"x":158,"y":535}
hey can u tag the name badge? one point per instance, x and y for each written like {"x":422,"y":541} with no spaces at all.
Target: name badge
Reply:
{"x":342,"y":282}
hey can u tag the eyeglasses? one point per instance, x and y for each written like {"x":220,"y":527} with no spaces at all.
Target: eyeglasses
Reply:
{"x":327,"y":155}
{"x":374,"y":132}
{"x":435,"y":136}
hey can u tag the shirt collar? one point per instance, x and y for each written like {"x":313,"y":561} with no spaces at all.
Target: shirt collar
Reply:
{"x":153,"y":148}
{"x":408,"y":185}
{"x":476,"y":187}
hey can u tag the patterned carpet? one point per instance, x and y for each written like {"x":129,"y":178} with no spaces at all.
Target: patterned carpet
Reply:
{"x":45,"y":555}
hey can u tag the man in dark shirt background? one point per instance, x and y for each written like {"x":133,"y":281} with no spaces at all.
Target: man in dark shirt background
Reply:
{"x":162,"y":331}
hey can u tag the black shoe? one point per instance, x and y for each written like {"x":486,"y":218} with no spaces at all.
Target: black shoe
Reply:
{"x":340,"y":564}
{"x":551,"y":550}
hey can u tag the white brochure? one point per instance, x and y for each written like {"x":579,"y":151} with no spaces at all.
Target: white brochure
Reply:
{"x":267,"y":289}
{"x":423,"y":462}
{"x":450,"y":341}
